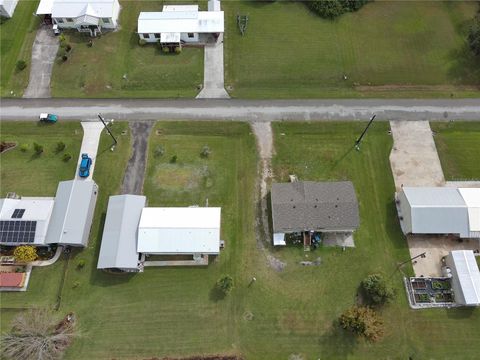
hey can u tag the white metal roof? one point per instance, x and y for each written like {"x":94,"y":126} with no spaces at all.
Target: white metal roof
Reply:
{"x":433,"y":197}
{"x":466,"y":269}
{"x":181,"y":21}
{"x":180,"y":8}
{"x":45,"y":7}
{"x":76,"y":8}
{"x":471,"y":196}
{"x":180,"y":230}
{"x":119,"y":239}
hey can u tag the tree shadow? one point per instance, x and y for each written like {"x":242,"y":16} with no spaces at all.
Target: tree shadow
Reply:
{"x":465,"y":68}
{"x":337,"y":338}
{"x":216,"y":294}
{"x":462,"y":313}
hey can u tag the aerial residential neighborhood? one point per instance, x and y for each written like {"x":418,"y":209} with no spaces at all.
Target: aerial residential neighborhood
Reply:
{"x":236,"y":180}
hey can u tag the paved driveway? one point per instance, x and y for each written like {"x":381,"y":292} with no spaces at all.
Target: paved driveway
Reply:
{"x":91,"y":139}
{"x":414,"y":159}
{"x":44,"y":52}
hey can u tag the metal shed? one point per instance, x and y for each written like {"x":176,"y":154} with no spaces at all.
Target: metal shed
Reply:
{"x":465,"y":277}
{"x":72,"y":213}
{"x":119,"y":239}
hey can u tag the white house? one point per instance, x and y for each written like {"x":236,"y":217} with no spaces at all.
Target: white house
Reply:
{"x":90,"y":16}
{"x":178,"y":24}
{"x":7,"y":7}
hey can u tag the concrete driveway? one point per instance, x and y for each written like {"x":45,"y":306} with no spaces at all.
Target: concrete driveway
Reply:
{"x":91,"y":139}
{"x":44,"y":52}
{"x":414,"y":159}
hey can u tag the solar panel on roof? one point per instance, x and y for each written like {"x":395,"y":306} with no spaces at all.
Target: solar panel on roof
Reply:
{"x":16,"y":232}
{"x":18,"y":213}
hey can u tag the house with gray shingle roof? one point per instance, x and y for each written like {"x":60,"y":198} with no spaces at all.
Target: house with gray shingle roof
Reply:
{"x":313,"y":207}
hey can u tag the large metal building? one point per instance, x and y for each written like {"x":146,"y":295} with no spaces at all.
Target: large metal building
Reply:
{"x":465,"y":277}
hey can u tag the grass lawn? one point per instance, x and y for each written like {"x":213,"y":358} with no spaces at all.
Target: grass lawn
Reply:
{"x":458,"y":146}
{"x":99,"y":71}
{"x":16,"y":38}
{"x":387,"y":49}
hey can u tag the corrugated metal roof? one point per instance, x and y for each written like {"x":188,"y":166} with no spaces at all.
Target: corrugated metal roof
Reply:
{"x":471,"y":196}
{"x":468,"y":275}
{"x":308,"y":205}
{"x":72,"y":213}
{"x":433,"y":196}
{"x":76,"y":8}
{"x":119,"y":239}
{"x":181,"y":21}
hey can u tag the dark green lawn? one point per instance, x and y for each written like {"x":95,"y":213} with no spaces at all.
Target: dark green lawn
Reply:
{"x":458,"y":146}
{"x":387,"y":49}
{"x":16,"y":38}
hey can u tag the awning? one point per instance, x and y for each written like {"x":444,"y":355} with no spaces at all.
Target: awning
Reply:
{"x":170,"y":38}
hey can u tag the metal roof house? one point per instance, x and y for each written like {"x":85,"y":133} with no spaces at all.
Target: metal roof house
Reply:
{"x":7,"y":7}
{"x":306,"y":206}
{"x":72,"y":213}
{"x":465,"y":277}
{"x":25,"y":220}
{"x":89,"y":16}
{"x":119,"y":239}
{"x":440,"y":210}
{"x":180,"y":23}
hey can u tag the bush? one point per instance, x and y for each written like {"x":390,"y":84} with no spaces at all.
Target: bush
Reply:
{"x":376,"y":289}
{"x":166,"y":49}
{"x":24,"y":147}
{"x":37,"y":148}
{"x":81,"y":264}
{"x":21,"y":65}
{"x":173,"y":160}
{"x":205,"y":153}
{"x":68,"y":47}
{"x":60,"y":146}
{"x":330,"y":9}
{"x":362,"y":321}
{"x":178,"y":50}
{"x":159,"y":151}
{"x":67,"y":157}
{"x":64,"y":58}
{"x":90,"y":43}
{"x":225,"y":284}
{"x":142,"y":42}
{"x":474,"y":36}
{"x":25,"y":253}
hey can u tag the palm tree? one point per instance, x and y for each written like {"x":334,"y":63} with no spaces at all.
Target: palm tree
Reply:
{"x":37,"y":335}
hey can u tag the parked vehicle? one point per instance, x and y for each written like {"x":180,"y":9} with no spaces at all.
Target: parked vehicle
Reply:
{"x":56,"y":30}
{"x":50,"y":118}
{"x":85,"y":163}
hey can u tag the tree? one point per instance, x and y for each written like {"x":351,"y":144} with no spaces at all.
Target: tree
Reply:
{"x":20,"y":65}
{"x":225,"y":284}
{"x":37,"y":335}
{"x":25,"y":253}
{"x":362,"y":321}
{"x":38,"y":148}
{"x":474,"y":36}
{"x":328,"y":9}
{"x":376,"y":289}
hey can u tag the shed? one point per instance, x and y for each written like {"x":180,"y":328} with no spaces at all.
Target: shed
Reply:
{"x":73,"y":213}
{"x":465,"y":277}
{"x":179,"y":231}
{"x":119,"y":239}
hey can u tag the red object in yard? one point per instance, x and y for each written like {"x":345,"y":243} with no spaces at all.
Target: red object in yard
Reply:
{"x":12,"y":279}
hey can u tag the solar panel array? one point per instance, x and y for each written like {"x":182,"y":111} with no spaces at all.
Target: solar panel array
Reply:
{"x":18,"y":213}
{"x":17,"y":231}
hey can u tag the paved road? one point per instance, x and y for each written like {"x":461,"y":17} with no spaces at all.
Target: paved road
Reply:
{"x":246,"y":110}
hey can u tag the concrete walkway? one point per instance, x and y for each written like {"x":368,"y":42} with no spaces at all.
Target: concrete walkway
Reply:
{"x":213,"y":73}
{"x":91,"y":139}
{"x":44,"y":52}
{"x":414,"y":159}
{"x":244,"y":110}
{"x":50,"y":261}
{"x":135,"y":173}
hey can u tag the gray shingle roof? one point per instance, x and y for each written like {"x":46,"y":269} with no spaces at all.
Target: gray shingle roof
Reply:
{"x":308,"y":205}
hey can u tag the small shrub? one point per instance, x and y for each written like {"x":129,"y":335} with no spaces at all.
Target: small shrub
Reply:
{"x":142,"y":42}
{"x":60,"y":146}
{"x":362,"y":321}
{"x":21,"y":65}
{"x":64,"y":58}
{"x":25,"y":253}
{"x":62,"y":39}
{"x":377,"y":290}
{"x":173,"y":160}
{"x":178,"y":50}
{"x":24,"y":147}
{"x":205,"y":153}
{"x":81,"y":264}
{"x":68,"y":47}
{"x":159,"y":151}
{"x":225,"y":284}
{"x":166,"y":50}
{"x":76,"y":284}
{"x":37,"y":148}
{"x":90,"y":43}
{"x":67,"y":157}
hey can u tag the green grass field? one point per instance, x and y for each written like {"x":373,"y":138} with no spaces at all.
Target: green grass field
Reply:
{"x":99,"y":71}
{"x":458,"y":146}
{"x":387,"y":49}
{"x":16,"y":38}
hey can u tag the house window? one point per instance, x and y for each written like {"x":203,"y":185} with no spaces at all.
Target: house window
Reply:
{"x":157,"y":36}
{"x":146,"y":36}
{"x":106,"y":20}
{"x":69,"y":20}
{"x":59,"y":21}
{"x":190,"y":35}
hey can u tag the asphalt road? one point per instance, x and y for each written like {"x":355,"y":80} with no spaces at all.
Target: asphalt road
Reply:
{"x":245,"y":110}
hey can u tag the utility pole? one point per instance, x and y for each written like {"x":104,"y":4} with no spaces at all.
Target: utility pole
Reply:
{"x":422,"y":255}
{"x":108,"y":130}
{"x":357,"y":143}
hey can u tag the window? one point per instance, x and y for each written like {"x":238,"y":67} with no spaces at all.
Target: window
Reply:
{"x":106,"y":20}
{"x":190,"y":35}
{"x":69,"y":20}
{"x":59,"y":21}
{"x":146,"y":36}
{"x":157,"y":36}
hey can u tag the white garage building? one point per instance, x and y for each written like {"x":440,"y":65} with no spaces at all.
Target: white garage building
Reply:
{"x":440,"y":210}
{"x":465,"y":277}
